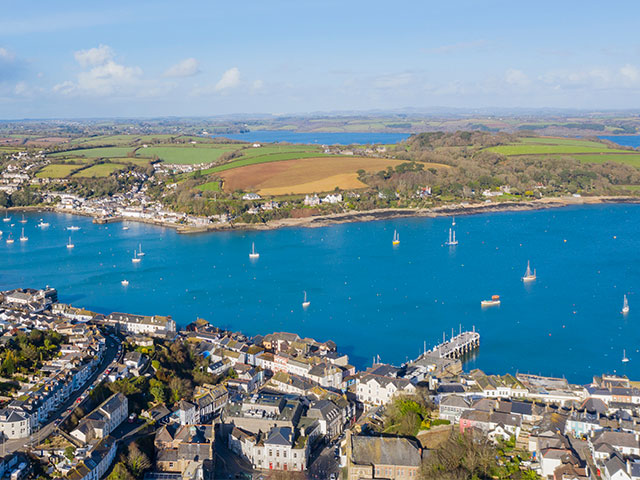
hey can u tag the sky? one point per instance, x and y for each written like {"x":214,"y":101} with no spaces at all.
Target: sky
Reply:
{"x":80,"y":59}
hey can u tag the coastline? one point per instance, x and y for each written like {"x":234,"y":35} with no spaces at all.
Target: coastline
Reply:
{"x":359,"y":216}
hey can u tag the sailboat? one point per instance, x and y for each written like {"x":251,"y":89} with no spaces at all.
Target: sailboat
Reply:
{"x":452,"y":242}
{"x":396,"y":238}
{"x":453,"y":222}
{"x":528,"y":276}
{"x":125,"y":283}
{"x":24,"y":220}
{"x":253,"y":255}
{"x":10,"y":238}
{"x":305,"y":302}
{"x":43,"y":224}
{"x":624,"y":356}
{"x":625,"y":306}
{"x":70,"y":245}
{"x":140,"y":252}
{"x":6,"y":218}
{"x":23,"y":238}
{"x":135,"y":258}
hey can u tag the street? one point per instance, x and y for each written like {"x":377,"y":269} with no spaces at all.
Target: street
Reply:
{"x":58,"y":416}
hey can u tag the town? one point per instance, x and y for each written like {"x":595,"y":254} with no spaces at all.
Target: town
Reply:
{"x":87,"y":394}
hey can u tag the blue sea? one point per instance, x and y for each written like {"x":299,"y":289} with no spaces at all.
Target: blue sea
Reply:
{"x":368,"y":296}
{"x":321,"y":138}
{"x":626,"y":140}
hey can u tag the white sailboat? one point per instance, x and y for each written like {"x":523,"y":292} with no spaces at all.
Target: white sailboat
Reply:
{"x":43,"y":224}
{"x":6,"y":218}
{"x":135,"y":258}
{"x":125,"y":283}
{"x":625,"y":306}
{"x":528,"y":275}
{"x":23,"y":238}
{"x":452,"y":242}
{"x":253,"y":255}
{"x":70,"y":245}
{"x":396,"y":238}
{"x":305,"y":302}
{"x":24,"y":220}
{"x":10,"y":239}
{"x":624,"y":356}
{"x":140,"y":252}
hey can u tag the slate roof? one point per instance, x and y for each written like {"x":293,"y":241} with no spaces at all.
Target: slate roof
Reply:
{"x":279,"y":436}
{"x":384,"y":451}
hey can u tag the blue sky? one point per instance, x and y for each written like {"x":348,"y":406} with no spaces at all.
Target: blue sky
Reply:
{"x":199,"y":58}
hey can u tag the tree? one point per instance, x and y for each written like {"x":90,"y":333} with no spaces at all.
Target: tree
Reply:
{"x":156,"y":388}
{"x":120,"y":472}
{"x":138,"y":461}
{"x":70,"y":452}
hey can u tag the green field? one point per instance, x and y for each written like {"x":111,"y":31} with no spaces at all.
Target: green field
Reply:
{"x":142,"y":162}
{"x":628,"y":159}
{"x":210,"y":187}
{"x":57,"y":171}
{"x":272,"y":149}
{"x":524,"y":149}
{"x":100,"y":170}
{"x":186,"y":154}
{"x":562,"y":141}
{"x":103,"y":152}
{"x":276,"y":157}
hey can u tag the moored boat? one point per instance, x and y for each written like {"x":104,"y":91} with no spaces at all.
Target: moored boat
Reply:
{"x":253,"y":255}
{"x":452,"y":242}
{"x":494,"y":302}
{"x":396,"y":238}
{"x":528,"y":275}
{"x":305,"y":302}
{"x":625,"y":306}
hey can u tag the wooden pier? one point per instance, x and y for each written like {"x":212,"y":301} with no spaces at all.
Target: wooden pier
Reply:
{"x":458,"y":345}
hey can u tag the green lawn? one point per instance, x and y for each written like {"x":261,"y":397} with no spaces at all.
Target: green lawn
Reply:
{"x":57,"y":171}
{"x":142,"y":162}
{"x":210,"y":187}
{"x":102,"y":152}
{"x":273,"y":149}
{"x":100,"y":170}
{"x":186,"y":154}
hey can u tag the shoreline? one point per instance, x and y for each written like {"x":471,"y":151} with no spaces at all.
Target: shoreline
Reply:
{"x":359,"y":216}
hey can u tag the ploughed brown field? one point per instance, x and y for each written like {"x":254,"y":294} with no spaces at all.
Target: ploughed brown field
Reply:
{"x":305,"y":175}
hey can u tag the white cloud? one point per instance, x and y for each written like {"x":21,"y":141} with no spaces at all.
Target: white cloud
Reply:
{"x":94,"y":56}
{"x":517,"y":78}
{"x":393,"y":81}
{"x":230,"y":79}
{"x":630,"y":73}
{"x":186,"y":68}
{"x":256,"y":86}
{"x":6,"y":55}
{"x":104,"y":76}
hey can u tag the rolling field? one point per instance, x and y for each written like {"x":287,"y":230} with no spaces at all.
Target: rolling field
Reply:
{"x":210,"y":187}
{"x":537,"y":149}
{"x":104,"y":152}
{"x":57,"y":171}
{"x":561,"y":141}
{"x":276,"y":157}
{"x":632,"y":159}
{"x":306,"y":175}
{"x":187,"y":154}
{"x":100,"y":170}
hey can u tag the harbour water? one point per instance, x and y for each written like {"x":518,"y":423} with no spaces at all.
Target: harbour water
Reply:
{"x":626,"y":140}
{"x":368,"y":296}
{"x":320,"y":138}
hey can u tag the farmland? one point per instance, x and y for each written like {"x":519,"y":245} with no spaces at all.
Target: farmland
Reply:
{"x":100,"y":170}
{"x":100,"y":152}
{"x":306,"y":175}
{"x":186,"y":155}
{"x":57,"y":171}
{"x":538,"y":149}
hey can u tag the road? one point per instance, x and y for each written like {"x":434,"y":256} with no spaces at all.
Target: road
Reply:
{"x":113,"y":353}
{"x":324,"y":463}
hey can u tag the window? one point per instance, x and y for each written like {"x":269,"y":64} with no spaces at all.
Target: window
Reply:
{"x":277,"y":453}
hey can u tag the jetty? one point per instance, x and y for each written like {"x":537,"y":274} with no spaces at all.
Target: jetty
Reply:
{"x":457,"y":345}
